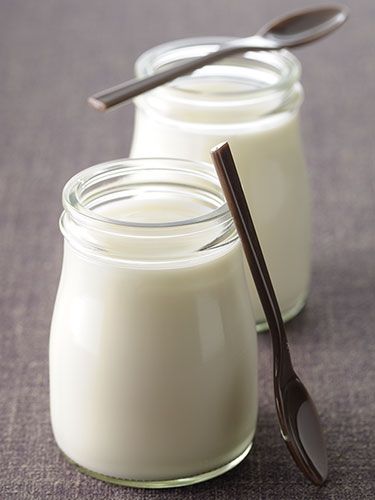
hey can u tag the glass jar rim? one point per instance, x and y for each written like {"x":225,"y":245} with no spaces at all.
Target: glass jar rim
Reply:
{"x":75,"y":205}
{"x":285,"y":66}
{"x":159,"y":188}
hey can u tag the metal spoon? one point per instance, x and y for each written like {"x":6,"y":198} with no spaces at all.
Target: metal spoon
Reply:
{"x":299,"y":421}
{"x":295,"y":29}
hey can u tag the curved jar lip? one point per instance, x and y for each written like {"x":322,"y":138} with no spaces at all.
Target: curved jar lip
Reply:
{"x":256,"y":83}
{"x":89,"y":230}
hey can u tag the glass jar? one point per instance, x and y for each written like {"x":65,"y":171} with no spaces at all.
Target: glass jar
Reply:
{"x":153,"y":357}
{"x":252,"y":100}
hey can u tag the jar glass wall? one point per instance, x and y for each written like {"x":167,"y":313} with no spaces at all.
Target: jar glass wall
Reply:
{"x":153,"y":361}
{"x":252,"y":101}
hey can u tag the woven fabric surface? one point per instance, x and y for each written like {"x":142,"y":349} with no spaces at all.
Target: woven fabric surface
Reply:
{"x":52,"y":56}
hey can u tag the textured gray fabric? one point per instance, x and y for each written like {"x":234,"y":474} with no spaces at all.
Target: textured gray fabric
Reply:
{"x":52,"y":55}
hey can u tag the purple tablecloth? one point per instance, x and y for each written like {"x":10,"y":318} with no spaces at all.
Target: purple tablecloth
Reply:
{"x":52,"y":55}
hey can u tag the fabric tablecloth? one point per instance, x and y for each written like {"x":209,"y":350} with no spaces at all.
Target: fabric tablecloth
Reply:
{"x":55,"y":53}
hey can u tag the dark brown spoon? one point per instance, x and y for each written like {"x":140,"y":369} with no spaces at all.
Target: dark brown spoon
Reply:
{"x":299,"y":421}
{"x":291,"y":30}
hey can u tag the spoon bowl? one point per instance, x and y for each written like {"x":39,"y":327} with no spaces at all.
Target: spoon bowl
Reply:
{"x":305,"y":26}
{"x":301,"y":429}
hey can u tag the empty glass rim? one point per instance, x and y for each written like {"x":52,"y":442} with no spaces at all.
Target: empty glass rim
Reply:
{"x":74,"y":204}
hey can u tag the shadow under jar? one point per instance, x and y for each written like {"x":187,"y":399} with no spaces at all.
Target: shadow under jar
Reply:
{"x":252,"y":101}
{"x":153,"y":356}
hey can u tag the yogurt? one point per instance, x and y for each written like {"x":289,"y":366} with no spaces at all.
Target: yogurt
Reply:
{"x":153,"y":359}
{"x":251,"y":101}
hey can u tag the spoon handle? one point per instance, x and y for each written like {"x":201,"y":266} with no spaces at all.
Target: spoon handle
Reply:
{"x":124,"y":91}
{"x":231,"y":185}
